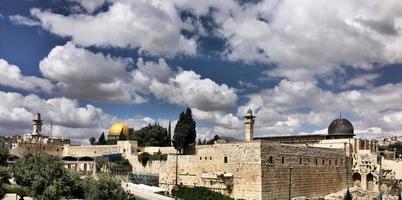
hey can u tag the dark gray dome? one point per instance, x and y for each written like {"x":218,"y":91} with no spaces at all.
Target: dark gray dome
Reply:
{"x":340,"y":126}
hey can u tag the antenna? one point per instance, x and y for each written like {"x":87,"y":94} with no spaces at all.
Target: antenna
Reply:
{"x":51,"y":128}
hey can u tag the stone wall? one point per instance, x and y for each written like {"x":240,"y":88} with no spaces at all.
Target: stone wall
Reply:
{"x":395,"y":166}
{"x":312,"y":171}
{"x":239,"y":177}
{"x":93,"y":150}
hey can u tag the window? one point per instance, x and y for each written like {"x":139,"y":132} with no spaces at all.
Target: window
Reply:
{"x":206,"y":158}
{"x":341,"y":161}
{"x":316,"y":161}
{"x":300,"y":161}
{"x":330,"y":162}
{"x":283,"y":160}
{"x":270,"y":160}
{"x":210,"y":158}
{"x":200,"y":158}
{"x":323,"y":161}
{"x":336,"y":162}
{"x":225,"y":159}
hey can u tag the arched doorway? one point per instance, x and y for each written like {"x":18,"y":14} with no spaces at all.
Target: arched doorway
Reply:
{"x":370,"y":182}
{"x":357,"y":178}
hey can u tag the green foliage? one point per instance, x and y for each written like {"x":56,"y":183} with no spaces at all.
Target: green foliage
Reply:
{"x":102,"y":139}
{"x":4,"y":176}
{"x":46,"y":178}
{"x":348,"y":196}
{"x":158,"y":156}
{"x":16,"y":190}
{"x":121,"y":165}
{"x":3,"y":156}
{"x":211,"y":141}
{"x":92,"y":140}
{"x":100,"y":163}
{"x":151,"y":135}
{"x":122,"y":136}
{"x":184,"y":132}
{"x":143,"y":158}
{"x":105,"y":187}
{"x":199,"y":193}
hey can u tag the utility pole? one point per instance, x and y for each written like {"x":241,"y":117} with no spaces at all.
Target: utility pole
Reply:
{"x":379,"y":178}
{"x":290,"y":182}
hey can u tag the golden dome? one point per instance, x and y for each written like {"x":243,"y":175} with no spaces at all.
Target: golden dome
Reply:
{"x":117,"y":128}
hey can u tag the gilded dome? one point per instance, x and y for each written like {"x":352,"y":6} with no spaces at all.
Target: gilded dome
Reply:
{"x":340,"y":126}
{"x":117,"y":128}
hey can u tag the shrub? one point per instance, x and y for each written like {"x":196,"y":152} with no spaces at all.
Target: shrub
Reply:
{"x":143,"y":158}
{"x":199,"y":193}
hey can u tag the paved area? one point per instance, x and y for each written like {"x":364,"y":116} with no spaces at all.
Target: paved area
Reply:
{"x":142,"y":193}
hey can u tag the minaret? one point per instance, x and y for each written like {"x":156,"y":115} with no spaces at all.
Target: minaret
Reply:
{"x":249,"y":125}
{"x":36,"y":125}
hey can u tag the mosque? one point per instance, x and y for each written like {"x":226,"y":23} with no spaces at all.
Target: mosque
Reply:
{"x":256,"y":168}
{"x":117,"y":129}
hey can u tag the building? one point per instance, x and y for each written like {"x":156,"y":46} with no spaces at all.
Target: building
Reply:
{"x":117,"y":130}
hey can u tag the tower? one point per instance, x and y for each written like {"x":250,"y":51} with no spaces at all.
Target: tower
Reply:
{"x":37,"y":125}
{"x":249,"y":123}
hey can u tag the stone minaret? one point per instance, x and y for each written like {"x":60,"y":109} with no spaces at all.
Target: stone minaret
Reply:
{"x":249,"y":125}
{"x":37,"y":125}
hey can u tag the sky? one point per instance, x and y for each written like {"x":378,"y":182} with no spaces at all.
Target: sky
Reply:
{"x":85,"y":64}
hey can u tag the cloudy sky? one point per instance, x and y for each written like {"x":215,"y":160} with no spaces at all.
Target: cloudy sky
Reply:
{"x":297,"y":64}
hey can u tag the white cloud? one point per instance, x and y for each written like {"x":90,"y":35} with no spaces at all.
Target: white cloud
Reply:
{"x":365,"y":80}
{"x":152,"y":26}
{"x":290,"y":107}
{"x":17,"y":111}
{"x":22,"y":20}
{"x":11,"y":76}
{"x":189,"y":89}
{"x":70,"y":120}
{"x":308,"y":38}
{"x":82,"y":74}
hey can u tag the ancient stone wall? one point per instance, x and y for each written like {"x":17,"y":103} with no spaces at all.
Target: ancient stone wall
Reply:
{"x":233,"y":169}
{"x":93,"y":150}
{"x":310,"y":171}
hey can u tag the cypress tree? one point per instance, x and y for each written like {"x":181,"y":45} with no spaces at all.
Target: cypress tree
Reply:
{"x":348,"y":196}
{"x":102,"y":140}
{"x":169,"y":136}
{"x":184,"y":132}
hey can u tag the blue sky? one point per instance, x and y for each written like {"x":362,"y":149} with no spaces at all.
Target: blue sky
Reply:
{"x":86,"y":64}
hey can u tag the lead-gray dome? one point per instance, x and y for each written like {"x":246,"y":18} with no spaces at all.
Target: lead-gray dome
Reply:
{"x":340,"y":126}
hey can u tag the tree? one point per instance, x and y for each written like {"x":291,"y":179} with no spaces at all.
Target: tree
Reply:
{"x":104,"y":188}
{"x":184,"y":132}
{"x":348,"y":196}
{"x":102,"y":140}
{"x":122,"y":136}
{"x":151,"y":135}
{"x":3,"y":156}
{"x":46,"y":178}
{"x":4,"y":176}
{"x":169,"y":136}
{"x":92,"y":140}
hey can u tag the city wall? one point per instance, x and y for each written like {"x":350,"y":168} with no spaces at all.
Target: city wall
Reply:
{"x":309,"y":171}
{"x":233,"y":169}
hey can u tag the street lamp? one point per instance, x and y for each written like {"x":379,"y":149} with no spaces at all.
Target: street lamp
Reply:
{"x":290,"y":182}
